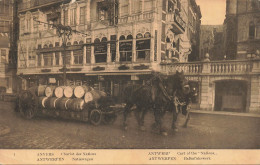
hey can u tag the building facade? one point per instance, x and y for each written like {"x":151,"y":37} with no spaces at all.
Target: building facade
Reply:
{"x":212,"y":42}
{"x":242,"y":28}
{"x":123,"y":41}
{"x":7,"y":66}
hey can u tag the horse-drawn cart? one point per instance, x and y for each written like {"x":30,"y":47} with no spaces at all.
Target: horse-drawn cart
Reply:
{"x":77,"y":103}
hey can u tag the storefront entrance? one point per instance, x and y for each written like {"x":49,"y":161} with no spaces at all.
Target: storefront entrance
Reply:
{"x":230,"y":95}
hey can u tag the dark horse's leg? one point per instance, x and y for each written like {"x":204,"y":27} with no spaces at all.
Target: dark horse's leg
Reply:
{"x":174,"y":117}
{"x":126,"y":112}
{"x":141,"y":123}
{"x":186,"y":112}
{"x":158,"y":115}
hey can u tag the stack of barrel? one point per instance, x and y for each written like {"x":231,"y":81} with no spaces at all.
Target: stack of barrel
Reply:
{"x":71,"y":98}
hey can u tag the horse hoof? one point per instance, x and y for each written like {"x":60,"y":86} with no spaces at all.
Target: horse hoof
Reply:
{"x":164,"y":133}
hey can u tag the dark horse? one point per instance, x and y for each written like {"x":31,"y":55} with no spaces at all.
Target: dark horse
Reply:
{"x":157,"y":95}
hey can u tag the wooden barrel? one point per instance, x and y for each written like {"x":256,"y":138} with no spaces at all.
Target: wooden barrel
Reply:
{"x":93,"y":95}
{"x":59,"y":91}
{"x":62,"y":103}
{"x":80,"y":91}
{"x":49,"y":90}
{"x":51,"y":102}
{"x":75,"y":104}
{"x":68,"y":91}
{"x":40,"y":90}
{"x":42,"y":101}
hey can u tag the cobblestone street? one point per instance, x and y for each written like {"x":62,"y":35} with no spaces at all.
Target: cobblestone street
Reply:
{"x":205,"y":131}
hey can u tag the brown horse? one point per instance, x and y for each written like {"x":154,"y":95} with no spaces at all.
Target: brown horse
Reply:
{"x":157,"y":95}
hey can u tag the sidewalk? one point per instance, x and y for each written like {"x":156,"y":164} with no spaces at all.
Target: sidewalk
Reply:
{"x":247,"y":114}
{"x":4,"y":129}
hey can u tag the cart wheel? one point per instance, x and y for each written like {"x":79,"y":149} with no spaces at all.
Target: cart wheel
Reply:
{"x":109,"y":119}
{"x":95,"y":116}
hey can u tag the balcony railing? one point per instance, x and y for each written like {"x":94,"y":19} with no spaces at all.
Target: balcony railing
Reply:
{"x":136,"y":17}
{"x":213,"y":67}
{"x":36,"y":3}
{"x":177,"y":20}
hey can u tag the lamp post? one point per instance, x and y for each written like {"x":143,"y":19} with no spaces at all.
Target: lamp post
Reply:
{"x":64,"y":32}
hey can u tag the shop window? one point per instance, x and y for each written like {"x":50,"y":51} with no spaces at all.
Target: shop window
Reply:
{"x":82,"y":15}
{"x":68,"y":57}
{"x":251,"y":30}
{"x":39,"y":46}
{"x":3,"y":56}
{"x":170,"y":6}
{"x":124,"y":7}
{"x":136,"y":6}
{"x":47,"y":58}
{"x":143,"y":48}
{"x":258,"y":29}
{"x":72,"y":17}
{"x":78,"y":57}
{"x":57,"y":58}
{"x":57,"y":44}
{"x":100,"y":50}
{"x":125,"y":48}
{"x":39,"y":60}
{"x":66,"y":19}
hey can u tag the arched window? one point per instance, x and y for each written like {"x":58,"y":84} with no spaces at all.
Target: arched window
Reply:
{"x":139,"y":35}
{"x":104,"y":39}
{"x":251,"y":30}
{"x":75,"y":43}
{"x":50,"y":46}
{"x":97,"y":40}
{"x":258,"y":29}
{"x":129,"y":37}
{"x":122,"y":37}
{"x":45,"y":46}
{"x":168,"y":40}
{"x":125,"y":48}
{"x":143,"y":48}
{"x":68,"y":44}
{"x":81,"y":42}
{"x":100,"y":50}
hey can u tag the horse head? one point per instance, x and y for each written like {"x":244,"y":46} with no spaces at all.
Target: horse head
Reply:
{"x":177,"y":83}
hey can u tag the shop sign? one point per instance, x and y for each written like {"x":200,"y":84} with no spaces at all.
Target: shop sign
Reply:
{"x":100,"y":48}
{"x":125,"y":46}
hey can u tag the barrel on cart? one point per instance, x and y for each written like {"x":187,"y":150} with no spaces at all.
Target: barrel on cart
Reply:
{"x":70,"y":102}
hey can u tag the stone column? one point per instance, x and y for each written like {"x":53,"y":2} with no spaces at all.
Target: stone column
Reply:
{"x":84,"y":55}
{"x":36,"y":60}
{"x":134,"y":44}
{"x":71,"y":57}
{"x":255,"y":94}
{"x":77,"y":14}
{"x":152,"y":43}
{"x":117,"y":48}
{"x":108,"y":53}
{"x":42,"y":60}
{"x":27,"y":55}
{"x":54,"y":59}
{"x":206,"y":94}
{"x":60,"y":59}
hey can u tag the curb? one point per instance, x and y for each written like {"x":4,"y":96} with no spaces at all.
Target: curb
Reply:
{"x":4,"y":130}
{"x":257,"y":115}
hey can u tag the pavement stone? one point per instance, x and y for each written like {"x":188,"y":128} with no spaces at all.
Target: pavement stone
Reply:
{"x":4,"y":129}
